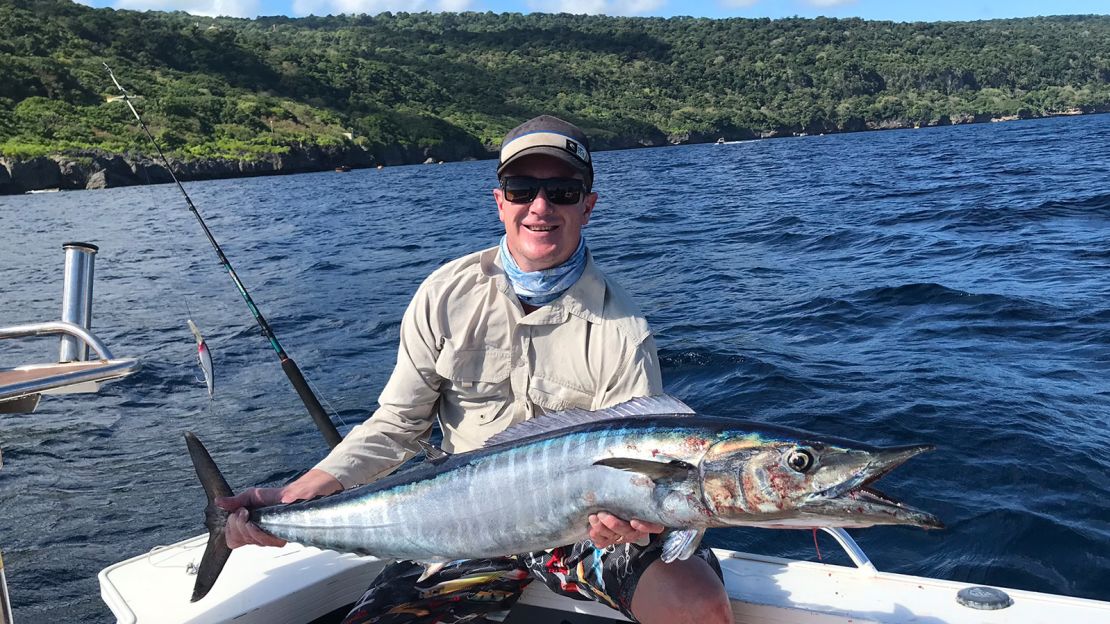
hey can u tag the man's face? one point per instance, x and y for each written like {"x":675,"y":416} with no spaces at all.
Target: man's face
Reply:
{"x":540,"y":234}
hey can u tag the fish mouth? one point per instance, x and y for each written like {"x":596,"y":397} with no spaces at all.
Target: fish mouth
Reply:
{"x":857,"y":504}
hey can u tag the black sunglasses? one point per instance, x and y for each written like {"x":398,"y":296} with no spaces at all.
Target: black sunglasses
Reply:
{"x":523,"y":189}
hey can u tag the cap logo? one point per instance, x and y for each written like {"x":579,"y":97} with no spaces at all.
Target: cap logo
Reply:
{"x":578,"y":150}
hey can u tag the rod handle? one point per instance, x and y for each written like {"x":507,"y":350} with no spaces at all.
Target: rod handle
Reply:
{"x":311,"y":403}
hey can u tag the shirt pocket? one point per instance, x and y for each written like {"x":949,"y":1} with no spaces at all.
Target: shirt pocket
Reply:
{"x":554,"y":395}
{"x":477,"y":384}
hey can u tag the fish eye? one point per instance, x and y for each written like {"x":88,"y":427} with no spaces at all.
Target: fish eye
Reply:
{"x":800,"y":460}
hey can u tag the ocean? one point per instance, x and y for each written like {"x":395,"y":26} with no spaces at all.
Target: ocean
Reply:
{"x":945,"y":285}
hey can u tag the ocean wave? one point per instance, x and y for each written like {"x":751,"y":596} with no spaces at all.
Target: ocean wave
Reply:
{"x":1022,"y":560}
{"x":989,"y":213}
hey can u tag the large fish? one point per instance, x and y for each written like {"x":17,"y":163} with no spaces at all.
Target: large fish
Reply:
{"x":532,"y":487}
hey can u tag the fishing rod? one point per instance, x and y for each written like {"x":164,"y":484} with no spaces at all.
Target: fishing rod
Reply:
{"x":292,"y":371}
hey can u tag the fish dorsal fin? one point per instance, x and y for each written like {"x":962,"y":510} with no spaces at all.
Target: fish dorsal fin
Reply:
{"x":433,"y":453}
{"x":658,"y":405}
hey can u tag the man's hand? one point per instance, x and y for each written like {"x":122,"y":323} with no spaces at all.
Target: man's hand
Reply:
{"x":241,"y":531}
{"x":607,"y":529}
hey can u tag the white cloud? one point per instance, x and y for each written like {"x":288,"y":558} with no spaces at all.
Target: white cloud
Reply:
{"x":373,"y":7}
{"x":738,"y":4}
{"x":597,"y":7}
{"x":210,"y":8}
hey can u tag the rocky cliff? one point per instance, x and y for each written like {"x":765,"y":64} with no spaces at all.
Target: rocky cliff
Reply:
{"x":96,"y":169}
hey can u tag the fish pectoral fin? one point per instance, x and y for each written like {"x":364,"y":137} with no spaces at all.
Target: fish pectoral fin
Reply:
{"x":431,"y":569}
{"x":680,"y":544}
{"x":656,"y":471}
{"x":433,"y":453}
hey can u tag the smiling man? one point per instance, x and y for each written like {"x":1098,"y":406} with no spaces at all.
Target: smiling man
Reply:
{"x":494,"y":338}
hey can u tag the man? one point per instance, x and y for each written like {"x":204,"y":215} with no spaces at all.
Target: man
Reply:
{"x":492,"y":339}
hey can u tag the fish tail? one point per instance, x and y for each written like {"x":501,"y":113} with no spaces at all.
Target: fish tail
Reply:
{"x":215,"y":519}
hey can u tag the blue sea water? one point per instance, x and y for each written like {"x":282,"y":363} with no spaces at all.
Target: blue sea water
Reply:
{"x":947,"y":286}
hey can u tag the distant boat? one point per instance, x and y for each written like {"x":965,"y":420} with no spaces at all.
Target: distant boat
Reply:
{"x":342,"y":169}
{"x":721,"y":141}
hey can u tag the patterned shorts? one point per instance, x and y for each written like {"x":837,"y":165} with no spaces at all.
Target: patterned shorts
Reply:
{"x":470,"y":589}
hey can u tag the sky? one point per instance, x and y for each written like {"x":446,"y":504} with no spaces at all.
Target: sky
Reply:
{"x":896,"y":10}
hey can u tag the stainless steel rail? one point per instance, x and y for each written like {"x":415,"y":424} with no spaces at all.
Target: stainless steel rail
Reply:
{"x":57,"y":327}
{"x":855,"y":553}
{"x":24,"y":382}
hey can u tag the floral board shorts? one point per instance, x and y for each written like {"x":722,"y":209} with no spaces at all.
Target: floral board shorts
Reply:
{"x":471,"y":589}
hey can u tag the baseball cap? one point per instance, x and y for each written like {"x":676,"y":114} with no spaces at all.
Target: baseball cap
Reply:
{"x":550,"y":136}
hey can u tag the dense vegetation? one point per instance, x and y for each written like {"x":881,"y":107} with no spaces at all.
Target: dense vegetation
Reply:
{"x":243,"y":88}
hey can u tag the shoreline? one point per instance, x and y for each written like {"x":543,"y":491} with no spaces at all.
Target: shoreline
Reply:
{"x":94,"y":169}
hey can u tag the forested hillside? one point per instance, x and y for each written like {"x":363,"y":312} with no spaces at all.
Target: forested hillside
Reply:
{"x":449,"y":85}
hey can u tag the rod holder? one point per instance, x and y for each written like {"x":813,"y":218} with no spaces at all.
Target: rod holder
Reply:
{"x":77,"y":295}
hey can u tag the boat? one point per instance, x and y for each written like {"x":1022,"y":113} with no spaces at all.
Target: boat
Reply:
{"x":23,"y":386}
{"x":297,"y":584}
{"x":342,"y":168}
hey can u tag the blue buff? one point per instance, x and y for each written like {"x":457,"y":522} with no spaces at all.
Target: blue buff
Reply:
{"x":539,"y":288}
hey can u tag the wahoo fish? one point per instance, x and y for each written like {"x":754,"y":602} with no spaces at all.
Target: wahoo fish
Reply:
{"x":532,"y":487}
{"x":204,"y":357}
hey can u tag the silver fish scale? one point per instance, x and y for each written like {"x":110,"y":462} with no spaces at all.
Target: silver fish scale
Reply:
{"x":504,"y":500}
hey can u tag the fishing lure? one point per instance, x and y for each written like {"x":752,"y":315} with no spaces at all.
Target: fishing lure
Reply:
{"x":204,"y":357}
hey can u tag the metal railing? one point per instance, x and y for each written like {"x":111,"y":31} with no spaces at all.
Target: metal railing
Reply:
{"x":58,"y":327}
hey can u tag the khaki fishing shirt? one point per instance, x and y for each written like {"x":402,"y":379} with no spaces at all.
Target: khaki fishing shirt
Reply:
{"x":472,"y":358}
